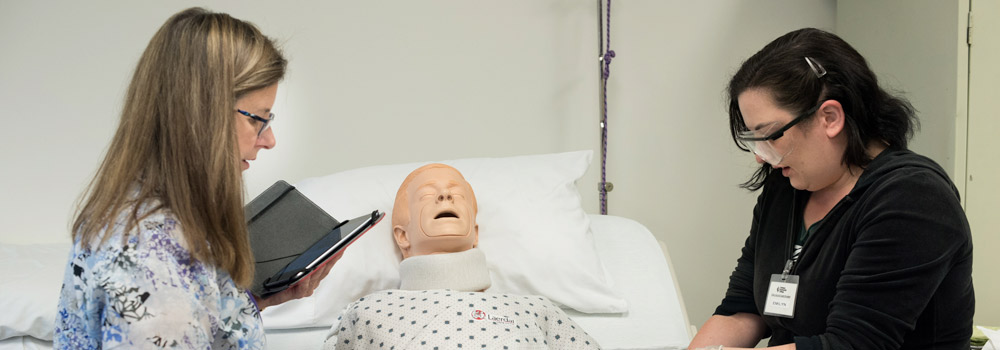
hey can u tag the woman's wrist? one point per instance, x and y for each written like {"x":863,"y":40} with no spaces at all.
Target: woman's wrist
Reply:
{"x":258,"y":301}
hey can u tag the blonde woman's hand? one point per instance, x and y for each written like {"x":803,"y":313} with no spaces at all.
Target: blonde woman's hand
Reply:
{"x":302,"y":289}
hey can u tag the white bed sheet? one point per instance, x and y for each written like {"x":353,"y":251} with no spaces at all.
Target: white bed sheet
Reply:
{"x":25,"y":343}
{"x":641,"y":272}
{"x":636,"y":265}
{"x":298,"y":338}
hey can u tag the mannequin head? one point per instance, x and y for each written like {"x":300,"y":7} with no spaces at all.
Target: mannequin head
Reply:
{"x":435,"y":212}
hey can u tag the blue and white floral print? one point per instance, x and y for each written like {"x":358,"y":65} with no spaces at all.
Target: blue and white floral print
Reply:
{"x":146,"y":291}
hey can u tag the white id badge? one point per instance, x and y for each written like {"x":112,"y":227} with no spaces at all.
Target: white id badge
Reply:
{"x":781,"y":295}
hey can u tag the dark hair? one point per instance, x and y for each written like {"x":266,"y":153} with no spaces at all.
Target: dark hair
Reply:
{"x":781,"y":68}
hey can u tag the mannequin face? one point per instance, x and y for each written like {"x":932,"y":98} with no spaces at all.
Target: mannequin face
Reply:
{"x":442,"y":215}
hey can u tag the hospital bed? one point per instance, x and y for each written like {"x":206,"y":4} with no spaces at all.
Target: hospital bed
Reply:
{"x":608,"y":273}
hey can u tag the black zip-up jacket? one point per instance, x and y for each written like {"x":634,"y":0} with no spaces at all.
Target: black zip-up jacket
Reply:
{"x":889,"y":267}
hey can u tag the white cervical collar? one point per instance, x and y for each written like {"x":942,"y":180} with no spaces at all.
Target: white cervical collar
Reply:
{"x":463,"y":271}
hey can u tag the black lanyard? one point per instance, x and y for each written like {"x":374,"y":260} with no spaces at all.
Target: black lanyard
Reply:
{"x":791,"y":235}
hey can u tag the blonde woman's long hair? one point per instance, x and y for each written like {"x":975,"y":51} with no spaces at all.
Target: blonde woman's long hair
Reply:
{"x":176,"y":141}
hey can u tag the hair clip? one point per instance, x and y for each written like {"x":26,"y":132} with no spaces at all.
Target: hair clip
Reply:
{"x":816,"y":67}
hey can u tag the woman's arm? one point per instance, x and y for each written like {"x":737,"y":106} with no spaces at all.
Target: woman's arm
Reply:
{"x":741,"y":329}
{"x":736,"y":324}
{"x":912,"y":237}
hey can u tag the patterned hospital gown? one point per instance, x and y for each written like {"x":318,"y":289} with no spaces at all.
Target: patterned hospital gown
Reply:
{"x":149,"y":293}
{"x":447,"y":319}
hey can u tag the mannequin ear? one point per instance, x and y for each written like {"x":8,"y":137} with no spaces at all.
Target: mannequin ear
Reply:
{"x":475,"y":232}
{"x":832,"y":115}
{"x":399,"y":233}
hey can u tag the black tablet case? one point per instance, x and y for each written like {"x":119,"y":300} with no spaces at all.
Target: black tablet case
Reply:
{"x":283,"y":223}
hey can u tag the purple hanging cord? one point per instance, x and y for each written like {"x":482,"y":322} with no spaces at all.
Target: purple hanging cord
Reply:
{"x":604,"y":37}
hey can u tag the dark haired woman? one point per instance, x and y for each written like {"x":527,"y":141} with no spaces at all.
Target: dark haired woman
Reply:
{"x":856,"y":242}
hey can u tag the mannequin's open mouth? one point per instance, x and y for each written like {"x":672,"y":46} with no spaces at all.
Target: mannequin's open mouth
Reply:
{"x":446,"y":214}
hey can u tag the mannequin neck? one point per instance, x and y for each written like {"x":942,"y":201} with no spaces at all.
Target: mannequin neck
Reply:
{"x":463,"y":271}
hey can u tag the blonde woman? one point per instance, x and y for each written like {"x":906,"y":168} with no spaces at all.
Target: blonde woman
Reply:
{"x":161,"y":256}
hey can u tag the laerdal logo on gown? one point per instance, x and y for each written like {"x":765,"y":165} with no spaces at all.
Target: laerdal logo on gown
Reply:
{"x":480,"y":315}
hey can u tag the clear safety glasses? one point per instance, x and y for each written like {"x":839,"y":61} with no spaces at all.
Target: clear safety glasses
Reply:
{"x":760,"y":141}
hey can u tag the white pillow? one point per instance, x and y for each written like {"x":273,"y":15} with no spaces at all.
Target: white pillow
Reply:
{"x":532,"y":228}
{"x":30,"y":281}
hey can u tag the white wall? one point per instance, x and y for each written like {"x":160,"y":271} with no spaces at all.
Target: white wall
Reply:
{"x":673,"y":163}
{"x":917,"y":50}
{"x":983,"y":191}
{"x":379,"y":82}
{"x":370,"y":82}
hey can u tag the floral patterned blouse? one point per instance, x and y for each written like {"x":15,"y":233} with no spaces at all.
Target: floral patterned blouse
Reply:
{"x":147,"y":292}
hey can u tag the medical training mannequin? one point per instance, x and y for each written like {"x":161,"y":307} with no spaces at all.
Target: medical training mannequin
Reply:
{"x":434,"y":225}
{"x":441,"y":303}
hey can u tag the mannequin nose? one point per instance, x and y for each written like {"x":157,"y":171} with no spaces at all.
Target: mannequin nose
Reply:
{"x":445,"y":195}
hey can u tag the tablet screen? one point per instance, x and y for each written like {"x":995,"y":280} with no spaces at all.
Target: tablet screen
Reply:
{"x":325,"y":248}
